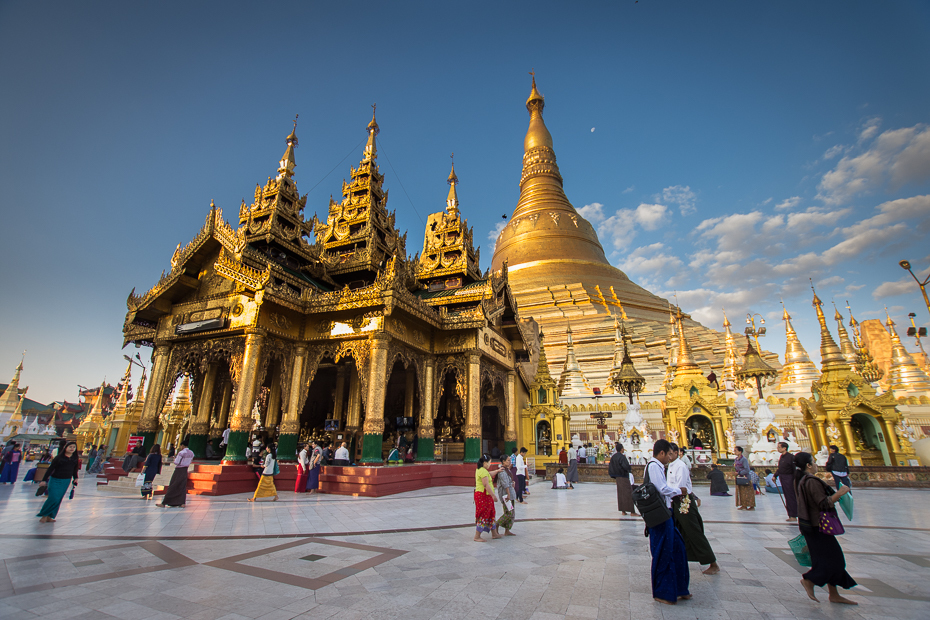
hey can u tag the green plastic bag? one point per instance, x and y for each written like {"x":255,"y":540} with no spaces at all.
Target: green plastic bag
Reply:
{"x":799,"y":548}
{"x":846,"y":503}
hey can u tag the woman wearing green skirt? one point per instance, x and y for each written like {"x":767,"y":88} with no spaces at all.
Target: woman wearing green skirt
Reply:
{"x":62,"y":473}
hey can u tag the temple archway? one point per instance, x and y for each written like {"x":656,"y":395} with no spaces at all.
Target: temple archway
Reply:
{"x":401,"y":411}
{"x":493,"y":408}
{"x":700,"y":431}
{"x":450,"y":418}
{"x":870,"y":440}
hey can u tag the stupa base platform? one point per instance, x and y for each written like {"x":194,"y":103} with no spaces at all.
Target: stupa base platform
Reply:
{"x":378,"y":481}
{"x":865,"y":477}
{"x":364,"y":481}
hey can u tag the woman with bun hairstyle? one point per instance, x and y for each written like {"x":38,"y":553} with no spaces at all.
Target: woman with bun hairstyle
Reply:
{"x":815,"y":499}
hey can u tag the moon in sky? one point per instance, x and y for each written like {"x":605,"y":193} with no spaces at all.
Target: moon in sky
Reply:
{"x":592,"y":130}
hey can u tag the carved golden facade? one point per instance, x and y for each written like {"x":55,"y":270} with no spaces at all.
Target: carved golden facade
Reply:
{"x":544,"y":421}
{"x":341,"y":334}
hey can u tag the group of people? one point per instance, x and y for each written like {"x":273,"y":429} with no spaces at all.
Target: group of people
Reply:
{"x":496,"y":485}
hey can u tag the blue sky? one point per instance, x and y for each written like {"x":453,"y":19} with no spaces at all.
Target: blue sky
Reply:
{"x":727,"y":151}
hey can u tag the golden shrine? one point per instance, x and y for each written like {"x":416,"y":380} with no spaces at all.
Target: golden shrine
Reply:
{"x":288,"y":327}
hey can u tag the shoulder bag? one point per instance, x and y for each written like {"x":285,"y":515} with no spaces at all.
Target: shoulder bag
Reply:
{"x":650,"y":503}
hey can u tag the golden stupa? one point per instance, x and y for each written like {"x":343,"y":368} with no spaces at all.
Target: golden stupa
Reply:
{"x":558,"y":272}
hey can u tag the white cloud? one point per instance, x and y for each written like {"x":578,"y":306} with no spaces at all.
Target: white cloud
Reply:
{"x":899,"y":287}
{"x":649,"y":216}
{"x":869,"y":129}
{"x":814,"y":217}
{"x":833,"y":151}
{"x":788,"y":203}
{"x":895,"y":157}
{"x":680,"y":195}
{"x":629,"y":189}
{"x":650,"y":260}
{"x":494,"y":234}
{"x":593,"y":212}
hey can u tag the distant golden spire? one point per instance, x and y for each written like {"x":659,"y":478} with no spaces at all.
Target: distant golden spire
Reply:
{"x":846,"y":345}
{"x":543,"y":377}
{"x":798,"y":370}
{"x":287,"y":163}
{"x":371,"y":150}
{"x":452,"y":202}
{"x":830,"y":354}
{"x":729,"y":359}
{"x":904,"y":374}
{"x":572,"y":381}
{"x":686,"y":364}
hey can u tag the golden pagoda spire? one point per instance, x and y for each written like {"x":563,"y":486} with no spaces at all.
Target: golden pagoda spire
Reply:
{"x":287,"y":163}
{"x":537,"y":135}
{"x":452,"y":202}
{"x":543,"y":377}
{"x":855,"y":326}
{"x":729,"y":359}
{"x":904,"y":373}
{"x":798,"y":370}
{"x":572,"y":381}
{"x":846,"y":345}
{"x":686,"y":364}
{"x":121,"y":401}
{"x":140,"y":392}
{"x":371,"y":150}
{"x":183,"y":395}
{"x":830,"y":354}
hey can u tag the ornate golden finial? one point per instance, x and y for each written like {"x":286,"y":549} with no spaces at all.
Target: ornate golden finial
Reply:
{"x":287,"y":163}
{"x":685,"y":357}
{"x":830,"y":355}
{"x":537,"y":135}
{"x":846,"y":345}
{"x":293,"y":136}
{"x":726,"y":321}
{"x":452,"y":202}
{"x":371,"y":151}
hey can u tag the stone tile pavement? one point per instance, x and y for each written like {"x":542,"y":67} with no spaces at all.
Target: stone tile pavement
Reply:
{"x":410,"y":556}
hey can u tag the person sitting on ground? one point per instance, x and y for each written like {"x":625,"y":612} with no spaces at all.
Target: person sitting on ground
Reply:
{"x":770,"y":485}
{"x":718,"y":482}
{"x":558,"y":481}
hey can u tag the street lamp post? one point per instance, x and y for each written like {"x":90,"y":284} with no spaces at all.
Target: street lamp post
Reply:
{"x":917,"y":332}
{"x":923,"y":285}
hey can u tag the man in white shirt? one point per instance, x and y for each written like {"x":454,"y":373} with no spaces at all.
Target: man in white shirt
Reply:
{"x":582,"y":454}
{"x":689,"y":523}
{"x":670,"y":576}
{"x":342,"y":455}
{"x":521,"y":475}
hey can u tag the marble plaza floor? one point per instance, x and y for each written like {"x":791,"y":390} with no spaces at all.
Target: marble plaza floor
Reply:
{"x":410,"y":556}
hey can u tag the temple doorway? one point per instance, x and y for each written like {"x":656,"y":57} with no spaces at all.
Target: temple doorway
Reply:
{"x":401,"y":413}
{"x":700,"y":432}
{"x":492,"y":422}
{"x":869,"y":440}
{"x":320,"y":404}
{"x":450,"y":420}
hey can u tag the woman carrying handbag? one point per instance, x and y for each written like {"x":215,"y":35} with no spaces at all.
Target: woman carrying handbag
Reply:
{"x":62,"y":473}
{"x":819,"y":524}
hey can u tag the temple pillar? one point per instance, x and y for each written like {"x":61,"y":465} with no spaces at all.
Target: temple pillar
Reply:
{"x":222,"y":419}
{"x":851,"y":451}
{"x":426,"y":433}
{"x":812,"y":436}
{"x":821,"y":429}
{"x":409,"y":387}
{"x":242,"y":421}
{"x":154,"y":400}
{"x":339,"y":403}
{"x":273,"y":414}
{"x":200,"y":427}
{"x":473,"y":410}
{"x":721,"y":439}
{"x":374,"y":416}
{"x":353,"y":413}
{"x":891,"y":440}
{"x":290,"y":428}
{"x":510,"y":416}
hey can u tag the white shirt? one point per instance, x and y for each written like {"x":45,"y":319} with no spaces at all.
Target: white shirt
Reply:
{"x":679,"y":476}
{"x":582,"y":452}
{"x":303,"y":459}
{"x":684,"y":458}
{"x":269,"y":466}
{"x":184,"y":458}
{"x":657,"y":477}
{"x":225,"y":437}
{"x":572,"y":454}
{"x":521,"y":465}
{"x":560,"y":481}
{"x":342,"y":453}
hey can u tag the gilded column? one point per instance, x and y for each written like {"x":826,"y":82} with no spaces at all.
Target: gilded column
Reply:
{"x":200,"y":428}
{"x":274,"y":404}
{"x":721,"y":442}
{"x":820,"y":427}
{"x":374,"y":416}
{"x":851,"y":451}
{"x":245,"y":397}
{"x":290,"y":428}
{"x":510,"y":428}
{"x":339,"y":404}
{"x":473,"y":411}
{"x":891,"y":440}
{"x":353,"y":413}
{"x":154,"y":401}
{"x":222,"y":419}
{"x":812,"y":435}
{"x":426,"y":441}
